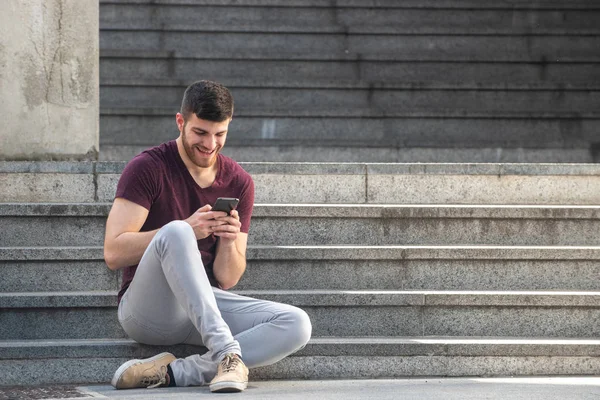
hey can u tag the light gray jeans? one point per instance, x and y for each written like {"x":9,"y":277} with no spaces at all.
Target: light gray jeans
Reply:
{"x":171,"y":301}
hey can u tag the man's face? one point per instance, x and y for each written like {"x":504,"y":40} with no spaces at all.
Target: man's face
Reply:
{"x":202,"y":139}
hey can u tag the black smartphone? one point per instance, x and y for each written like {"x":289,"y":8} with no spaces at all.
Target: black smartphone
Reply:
{"x":225,"y":204}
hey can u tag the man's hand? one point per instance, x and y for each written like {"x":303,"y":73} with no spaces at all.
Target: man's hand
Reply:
{"x":228,"y":228}
{"x":205,"y":222}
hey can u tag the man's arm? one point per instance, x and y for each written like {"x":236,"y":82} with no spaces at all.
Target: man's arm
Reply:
{"x":230,"y":259}
{"x":124,"y":244}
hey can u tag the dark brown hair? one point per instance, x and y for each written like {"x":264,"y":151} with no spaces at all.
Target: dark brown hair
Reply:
{"x":209,"y":100}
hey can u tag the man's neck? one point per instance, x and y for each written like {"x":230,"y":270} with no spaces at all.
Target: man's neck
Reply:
{"x":204,"y":177}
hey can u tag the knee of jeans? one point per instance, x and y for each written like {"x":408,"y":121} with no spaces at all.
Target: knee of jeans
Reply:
{"x":301,"y":329}
{"x":176,"y":230}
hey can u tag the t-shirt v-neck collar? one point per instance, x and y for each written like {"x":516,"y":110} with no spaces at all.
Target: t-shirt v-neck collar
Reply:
{"x":189,"y":175}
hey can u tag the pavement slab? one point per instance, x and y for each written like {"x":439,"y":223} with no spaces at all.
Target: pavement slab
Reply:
{"x":525,"y":388}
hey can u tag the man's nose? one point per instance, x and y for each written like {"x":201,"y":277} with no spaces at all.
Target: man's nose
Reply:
{"x":209,"y":142}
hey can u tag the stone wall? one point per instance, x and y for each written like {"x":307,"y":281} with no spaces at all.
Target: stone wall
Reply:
{"x":49,"y":101}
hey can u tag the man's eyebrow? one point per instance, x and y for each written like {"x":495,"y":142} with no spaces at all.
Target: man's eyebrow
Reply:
{"x":195,"y":129}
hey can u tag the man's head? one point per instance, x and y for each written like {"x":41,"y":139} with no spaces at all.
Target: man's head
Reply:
{"x":206,"y":111}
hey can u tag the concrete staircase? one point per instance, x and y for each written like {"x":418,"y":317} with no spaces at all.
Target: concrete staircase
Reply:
{"x":405,"y":269}
{"x":360,"y":80}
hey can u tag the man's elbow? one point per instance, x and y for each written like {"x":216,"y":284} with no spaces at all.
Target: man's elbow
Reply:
{"x":110,"y":260}
{"x":227,"y":284}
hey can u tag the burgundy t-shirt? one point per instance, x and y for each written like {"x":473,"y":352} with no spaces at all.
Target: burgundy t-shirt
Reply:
{"x":158,"y":180}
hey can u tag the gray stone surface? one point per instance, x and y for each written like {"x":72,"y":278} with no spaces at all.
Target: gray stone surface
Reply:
{"x":59,"y":371}
{"x":334,"y":183}
{"x":451,"y":346}
{"x":301,"y":224}
{"x":72,"y":168}
{"x":107,"y":348}
{"x":304,"y":253}
{"x":162,"y":116}
{"x":57,"y":275}
{"x":335,"y":298}
{"x":67,"y":254}
{"x":344,"y":183}
{"x":392,"y":4}
{"x":107,"y":187}
{"x":435,"y":20}
{"x":336,"y":267}
{"x":313,"y":368}
{"x":366,"y":367}
{"x":164,"y":67}
{"x":506,"y":139}
{"x":58,"y":300}
{"x":293,"y":153}
{"x":345,"y":313}
{"x":48,"y":187}
{"x":60,"y":323}
{"x":314,"y":188}
{"x":534,"y":388}
{"x":96,"y":360}
{"x":511,"y":321}
{"x":429,"y":83}
{"x":481,"y":189}
{"x":53,"y":231}
{"x":357,"y":100}
{"x":37,"y":167}
{"x":36,"y":276}
{"x":52,"y":82}
{"x":318,"y":346}
{"x":516,"y":48}
{"x":422,"y":231}
{"x":421,"y":274}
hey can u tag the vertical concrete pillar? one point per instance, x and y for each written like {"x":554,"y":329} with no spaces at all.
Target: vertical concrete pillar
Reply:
{"x":49,"y":102}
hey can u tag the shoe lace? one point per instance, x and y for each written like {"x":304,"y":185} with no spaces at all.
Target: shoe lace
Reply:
{"x":229,"y":363}
{"x":159,"y":378}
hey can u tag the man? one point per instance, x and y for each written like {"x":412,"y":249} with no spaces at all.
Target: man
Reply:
{"x":179,"y":258}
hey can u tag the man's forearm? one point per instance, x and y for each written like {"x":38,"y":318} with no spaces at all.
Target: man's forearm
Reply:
{"x":127,"y":249}
{"x":229,"y":264}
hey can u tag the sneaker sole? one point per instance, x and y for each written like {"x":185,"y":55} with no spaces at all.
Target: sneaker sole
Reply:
{"x":129,"y":363}
{"x":228,"y":387}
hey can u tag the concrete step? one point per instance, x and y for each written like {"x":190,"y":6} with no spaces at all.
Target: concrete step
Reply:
{"x":423,"y":23}
{"x":356,"y":58}
{"x":82,"y":224}
{"x":392,"y":131}
{"x":118,"y":77}
{"x":302,"y":45}
{"x":406,"y":20}
{"x":354,"y":183}
{"x":151,"y":112}
{"x":50,"y":269}
{"x":35,"y":269}
{"x":356,"y":100}
{"x":157,"y":66}
{"x":94,"y":361}
{"x":344,"y":153}
{"x":299,"y":152}
{"x":83,"y":315}
{"x":374,"y":4}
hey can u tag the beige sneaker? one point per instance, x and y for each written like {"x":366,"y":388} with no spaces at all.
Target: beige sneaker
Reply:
{"x":232,"y":375}
{"x":147,"y":373}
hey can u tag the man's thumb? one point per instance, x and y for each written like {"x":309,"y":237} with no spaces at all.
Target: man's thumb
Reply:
{"x":205,"y":208}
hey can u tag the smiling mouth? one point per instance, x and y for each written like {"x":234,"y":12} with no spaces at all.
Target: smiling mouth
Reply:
{"x":204,"y":153}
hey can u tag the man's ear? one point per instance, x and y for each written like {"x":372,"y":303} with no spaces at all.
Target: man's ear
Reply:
{"x":180,"y":121}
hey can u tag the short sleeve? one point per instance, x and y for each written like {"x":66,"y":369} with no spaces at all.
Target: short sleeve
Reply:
{"x":246,"y":203}
{"x":139,"y":181}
